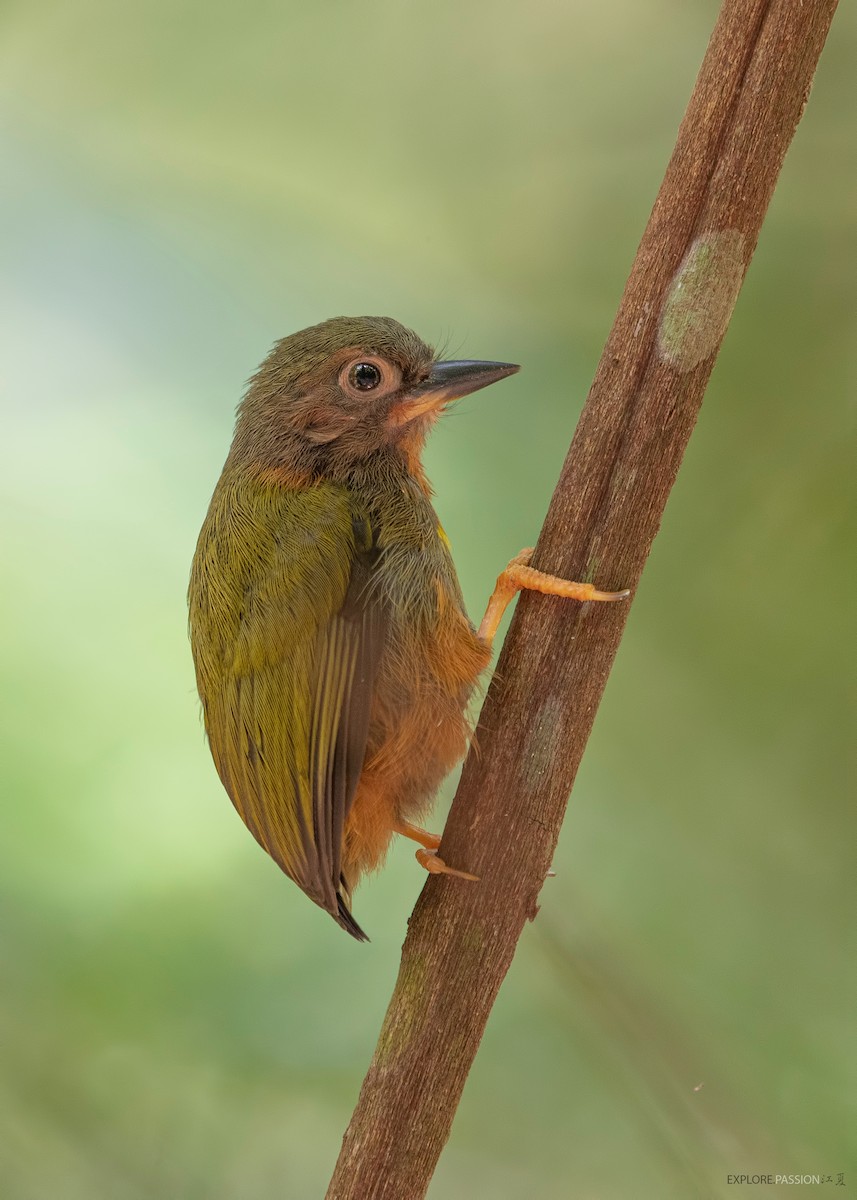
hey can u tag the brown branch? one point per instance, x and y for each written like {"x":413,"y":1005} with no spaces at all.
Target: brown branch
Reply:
{"x":603,"y":517}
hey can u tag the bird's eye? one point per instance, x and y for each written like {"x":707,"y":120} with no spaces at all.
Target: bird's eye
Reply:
{"x":364,"y":376}
{"x":369,"y":373}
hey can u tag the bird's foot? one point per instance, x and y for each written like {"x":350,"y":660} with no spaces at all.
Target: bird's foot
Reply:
{"x":428,"y":856}
{"x":434,"y":864}
{"x":520,"y":576}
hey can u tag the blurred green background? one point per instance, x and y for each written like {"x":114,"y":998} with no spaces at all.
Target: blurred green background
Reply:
{"x":181,"y":186}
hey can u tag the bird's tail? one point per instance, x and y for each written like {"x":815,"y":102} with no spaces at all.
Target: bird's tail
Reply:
{"x":343,"y":915}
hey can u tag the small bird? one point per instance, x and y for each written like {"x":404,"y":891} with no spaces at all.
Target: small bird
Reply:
{"x":334,"y":656}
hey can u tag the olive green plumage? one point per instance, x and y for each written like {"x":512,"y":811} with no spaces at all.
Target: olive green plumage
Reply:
{"x":333,"y":655}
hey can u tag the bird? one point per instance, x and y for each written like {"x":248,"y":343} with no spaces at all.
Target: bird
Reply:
{"x":333,"y":653}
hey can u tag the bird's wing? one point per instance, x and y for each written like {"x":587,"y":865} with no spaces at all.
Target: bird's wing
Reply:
{"x":285,"y":578}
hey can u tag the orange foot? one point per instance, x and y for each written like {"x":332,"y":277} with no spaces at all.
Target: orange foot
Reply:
{"x":520,"y":576}
{"x":428,"y":856}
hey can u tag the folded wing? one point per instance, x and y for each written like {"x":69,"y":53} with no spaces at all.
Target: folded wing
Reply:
{"x":288,"y":630}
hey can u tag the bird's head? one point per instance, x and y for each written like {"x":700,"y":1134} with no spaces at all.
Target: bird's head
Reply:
{"x":334,"y":395}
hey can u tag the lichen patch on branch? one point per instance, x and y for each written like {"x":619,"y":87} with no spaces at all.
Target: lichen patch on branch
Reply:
{"x":701,"y":298}
{"x":541,"y":748}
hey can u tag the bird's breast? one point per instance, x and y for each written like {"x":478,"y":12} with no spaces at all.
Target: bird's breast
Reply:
{"x":433,"y":649}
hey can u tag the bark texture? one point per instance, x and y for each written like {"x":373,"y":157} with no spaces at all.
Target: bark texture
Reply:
{"x":605,"y":512}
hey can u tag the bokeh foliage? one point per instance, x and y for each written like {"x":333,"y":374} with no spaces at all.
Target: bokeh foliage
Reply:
{"x":184,"y":183}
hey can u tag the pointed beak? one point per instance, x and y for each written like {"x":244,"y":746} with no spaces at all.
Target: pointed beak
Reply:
{"x":450,"y":381}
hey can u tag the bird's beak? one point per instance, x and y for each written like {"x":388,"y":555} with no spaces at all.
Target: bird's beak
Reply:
{"x":450,"y":381}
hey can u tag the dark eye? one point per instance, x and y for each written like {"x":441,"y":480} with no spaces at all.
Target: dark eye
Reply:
{"x":364,"y":376}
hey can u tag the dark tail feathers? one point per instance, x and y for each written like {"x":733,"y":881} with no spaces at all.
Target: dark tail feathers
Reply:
{"x":344,"y":918}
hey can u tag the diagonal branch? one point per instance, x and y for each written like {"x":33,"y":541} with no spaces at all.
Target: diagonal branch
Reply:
{"x":605,"y":512}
